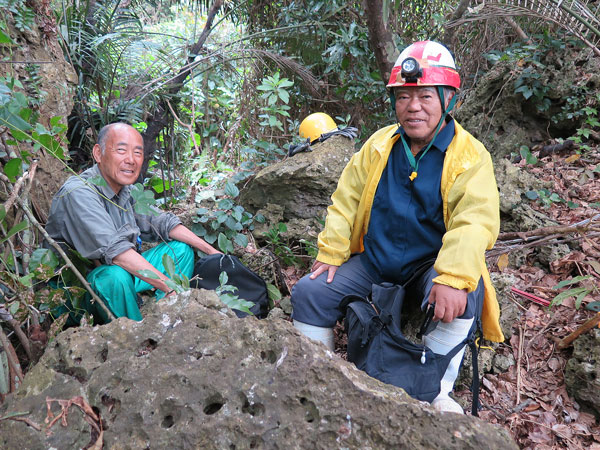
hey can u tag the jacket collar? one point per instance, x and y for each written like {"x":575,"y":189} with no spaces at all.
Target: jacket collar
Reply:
{"x":441,"y":141}
{"x":106,"y":191}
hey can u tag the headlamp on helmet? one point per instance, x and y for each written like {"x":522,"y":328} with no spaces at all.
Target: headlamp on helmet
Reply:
{"x":411,"y":70}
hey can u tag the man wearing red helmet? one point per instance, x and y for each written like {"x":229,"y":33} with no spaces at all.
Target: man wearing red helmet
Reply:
{"x":419,"y":197}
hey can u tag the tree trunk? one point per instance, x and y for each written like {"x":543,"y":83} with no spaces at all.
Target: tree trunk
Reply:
{"x":380,"y":39}
{"x":457,"y":14}
{"x":159,"y":118}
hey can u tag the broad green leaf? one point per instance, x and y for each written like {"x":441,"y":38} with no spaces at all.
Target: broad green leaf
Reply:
{"x":18,"y":127}
{"x":98,"y":180}
{"x":14,"y":308}
{"x":556,"y":198}
{"x":225,"y":244}
{"x":55,"y":122}
{"x":580,"y":298}
{"x":174,"y":286}
{"x":169,"y":265}
{"x":16,"y":229}
{"x":159,"y":185}
{"x":233,"y":224}
{"x":284,"y":96}
{"x":222,"y":217}
{"x":50,"y":144}
{"x":27,"y":280}
{"x":236,"y":214}
{"x":231,"y":190}
{"x":566,"y":294}
{"x":223,"y":278}
{"x":532,"y":195}
{"x":2,"y":213}
{"x":226,"y":204}
{"x":273,"y":292}
{"x":147,"y":273}
{"x":13,"y":169}
{"x":144,"y":201}
{"x":42,"y":256}
{"x":241,"y":240}
{"x":5,"y":39}
{"x":234,"y":302}
{"x":574,"y":280}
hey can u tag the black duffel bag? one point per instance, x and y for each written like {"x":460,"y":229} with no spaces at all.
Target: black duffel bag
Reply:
{"x":250,"y":286}
{"x":377,"y":346}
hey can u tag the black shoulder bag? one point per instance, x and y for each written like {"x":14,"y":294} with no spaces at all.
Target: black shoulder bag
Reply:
{"x":377,"y":346}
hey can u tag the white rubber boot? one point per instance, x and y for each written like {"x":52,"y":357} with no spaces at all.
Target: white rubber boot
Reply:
{"x":444,"y":338}
{"x":320,"y":334}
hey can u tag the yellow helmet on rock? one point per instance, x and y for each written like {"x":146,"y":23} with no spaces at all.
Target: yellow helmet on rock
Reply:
{"x":314,"y":125}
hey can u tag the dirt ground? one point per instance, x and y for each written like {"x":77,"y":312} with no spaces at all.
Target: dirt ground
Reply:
{"x":530,"y":400}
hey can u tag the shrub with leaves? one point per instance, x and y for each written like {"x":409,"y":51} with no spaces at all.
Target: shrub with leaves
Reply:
{"x":226,"y":222}
{"x":226,"y":293}
{"x":583,"y":289}
{"x":176,"y":282}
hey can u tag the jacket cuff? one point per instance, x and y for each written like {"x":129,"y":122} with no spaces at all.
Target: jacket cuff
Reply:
{"x":455,"y":282}
{"x":332,"y":260}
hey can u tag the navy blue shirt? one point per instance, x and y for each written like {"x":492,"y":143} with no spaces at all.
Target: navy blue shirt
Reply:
{"x":407,"y":220}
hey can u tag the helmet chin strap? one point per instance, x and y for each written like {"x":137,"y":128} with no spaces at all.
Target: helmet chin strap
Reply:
{"x":445,"y":111}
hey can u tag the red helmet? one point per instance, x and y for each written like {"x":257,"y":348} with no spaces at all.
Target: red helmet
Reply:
{"x":425,"y":63}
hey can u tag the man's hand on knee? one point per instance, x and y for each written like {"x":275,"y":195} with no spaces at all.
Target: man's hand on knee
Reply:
{"x":450,"y":303}
{"x":318,"y":268}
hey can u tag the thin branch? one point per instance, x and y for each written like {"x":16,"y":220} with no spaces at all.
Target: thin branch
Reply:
{"x":68,"y":262}
{"x":15,"y":190}
{"x":186,"y":125}
{"x":456,"y":15}
{"x":519,"y":357}
{"x":13,"y":361}
{"x":545,"y":231}
{"x":515,"y":26}
{"x":510,"y":241}
{"x":23,"y":339}
{"x":588,"y":325}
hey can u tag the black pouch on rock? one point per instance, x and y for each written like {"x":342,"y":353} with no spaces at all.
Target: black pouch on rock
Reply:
{"x":250,"y":286}
{"x":377,"y":346}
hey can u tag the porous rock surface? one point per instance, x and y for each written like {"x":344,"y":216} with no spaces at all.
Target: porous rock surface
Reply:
{"x":297,"y":190}
{"x":192,"y":375}
{"x":582,"y":373}
{"x":497,"y":114}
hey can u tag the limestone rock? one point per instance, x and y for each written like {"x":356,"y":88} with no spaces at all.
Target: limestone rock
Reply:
{"x":192,"y":375}
{"x":502,"y":363}
{"x":582,"y":373}
{"x":509,"y":312}
{"x":297,"y":190}
{"x":513,"y":182}
{"x":499,"y":116}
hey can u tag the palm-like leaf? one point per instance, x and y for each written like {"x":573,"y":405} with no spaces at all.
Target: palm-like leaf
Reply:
{"x":577,"y":17}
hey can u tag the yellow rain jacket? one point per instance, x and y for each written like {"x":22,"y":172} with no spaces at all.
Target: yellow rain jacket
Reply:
{"x":471,"y":214}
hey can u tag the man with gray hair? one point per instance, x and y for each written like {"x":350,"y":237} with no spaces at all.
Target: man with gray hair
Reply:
{"x":93,"y":214}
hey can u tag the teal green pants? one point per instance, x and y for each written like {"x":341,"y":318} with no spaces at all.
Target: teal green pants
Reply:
{"x":118,"y":288}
